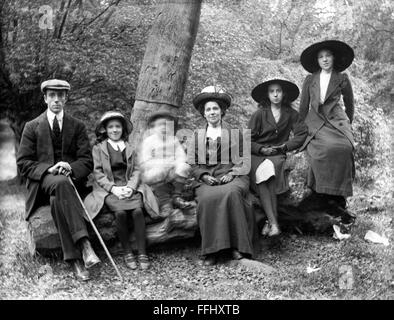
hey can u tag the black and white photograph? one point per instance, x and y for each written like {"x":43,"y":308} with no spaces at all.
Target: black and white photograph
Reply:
{"x":196,"y":150}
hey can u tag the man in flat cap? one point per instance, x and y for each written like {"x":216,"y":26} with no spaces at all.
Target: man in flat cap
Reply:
{"x":55,"y":146}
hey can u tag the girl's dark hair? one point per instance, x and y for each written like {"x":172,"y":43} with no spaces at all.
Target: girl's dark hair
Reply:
{"x":101,"y":137}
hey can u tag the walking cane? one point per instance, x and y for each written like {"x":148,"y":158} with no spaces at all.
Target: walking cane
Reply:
{"x":96,"y":231}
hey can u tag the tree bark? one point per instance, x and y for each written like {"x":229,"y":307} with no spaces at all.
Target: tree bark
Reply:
{"x":164,"y":70}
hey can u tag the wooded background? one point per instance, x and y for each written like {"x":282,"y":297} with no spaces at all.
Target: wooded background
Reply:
{"x":99,"y":45}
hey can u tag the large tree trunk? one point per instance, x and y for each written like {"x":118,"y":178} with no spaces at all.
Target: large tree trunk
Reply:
{"x":161,"y":86}
{"x":165,"y":67}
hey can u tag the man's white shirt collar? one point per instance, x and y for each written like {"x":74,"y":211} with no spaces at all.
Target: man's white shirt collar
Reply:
{"x":51,"y":116}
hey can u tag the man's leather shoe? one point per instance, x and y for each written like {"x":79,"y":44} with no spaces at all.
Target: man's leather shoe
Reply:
{"x":80,"y":271}
{"x":88,"y":254}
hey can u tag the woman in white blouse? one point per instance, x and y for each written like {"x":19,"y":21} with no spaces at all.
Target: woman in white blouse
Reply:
{"x":224,"y":205}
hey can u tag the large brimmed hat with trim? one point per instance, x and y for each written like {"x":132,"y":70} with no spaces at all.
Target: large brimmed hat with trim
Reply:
{"x":260,"y":92}
{"x":212,"y":93}
{"x":343,"y":55}
{"x":55,"y":84}
{"x":111,"y":115}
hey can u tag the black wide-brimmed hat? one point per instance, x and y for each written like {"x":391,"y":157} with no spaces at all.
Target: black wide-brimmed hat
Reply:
{"x":212,"y":93}
{"x":162,"y":114}
{"x":343,"y":55}
{"x":260,"y":92}
{"x":111,"y":115}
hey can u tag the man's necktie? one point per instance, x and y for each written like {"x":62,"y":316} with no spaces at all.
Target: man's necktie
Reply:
{"x":56,"y":127}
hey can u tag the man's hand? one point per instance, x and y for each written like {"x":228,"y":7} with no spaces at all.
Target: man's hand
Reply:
{"x":209,"y":180}
{"x":281,"y":149}
{"x":226,"y":178}
{"x":61,"y":167}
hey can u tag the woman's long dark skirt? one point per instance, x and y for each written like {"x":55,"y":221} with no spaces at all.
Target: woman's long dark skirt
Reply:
{"x":225,"y":217}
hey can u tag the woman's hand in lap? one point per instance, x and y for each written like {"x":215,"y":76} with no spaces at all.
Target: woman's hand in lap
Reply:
{"x":226,"y":178}
{"x":209,"y":180}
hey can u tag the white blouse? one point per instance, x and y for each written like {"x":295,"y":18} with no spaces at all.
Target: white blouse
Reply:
{"x":214,"y":133}
{"x":324,"y":81}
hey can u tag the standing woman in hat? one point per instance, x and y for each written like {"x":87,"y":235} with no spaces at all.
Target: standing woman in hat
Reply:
{"x":271,"y":126}
{"x":224,"y":209}
{"x":330,"y":142}
{"x":117,"y":185}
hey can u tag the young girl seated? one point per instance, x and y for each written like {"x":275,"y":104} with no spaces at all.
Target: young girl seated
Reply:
{"x":117,"y":185}
{"x":162,"y":161}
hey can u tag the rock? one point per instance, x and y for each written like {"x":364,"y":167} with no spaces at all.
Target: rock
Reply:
{"x":43,"y":230}
{"x":178,"y":225}
{"x":46,"y":269}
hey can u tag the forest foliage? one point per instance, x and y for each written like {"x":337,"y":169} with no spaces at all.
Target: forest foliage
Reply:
{"x":98,"y":45}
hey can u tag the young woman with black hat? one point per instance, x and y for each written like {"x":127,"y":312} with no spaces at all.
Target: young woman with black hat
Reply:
{"x":330,"y":143}
{"x":271,"y":126}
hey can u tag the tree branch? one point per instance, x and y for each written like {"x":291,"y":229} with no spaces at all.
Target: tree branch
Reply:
{"x":376,"y":29}
{"x":114,"y":3}
{"x":64,"y":20}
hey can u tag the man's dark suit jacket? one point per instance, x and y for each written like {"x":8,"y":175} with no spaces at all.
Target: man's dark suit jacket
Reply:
{"x":36,"y":156}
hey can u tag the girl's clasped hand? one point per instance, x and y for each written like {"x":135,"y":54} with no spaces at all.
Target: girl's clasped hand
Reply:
{"x":122,"y":192}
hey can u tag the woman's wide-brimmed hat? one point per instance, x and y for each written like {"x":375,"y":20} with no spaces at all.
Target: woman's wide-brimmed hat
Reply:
{"x":212,"y":93}
{"x":162,"y":114}
{"x":260,"y":92}
{"x":111,"y":115}
{"x":343,"y":55}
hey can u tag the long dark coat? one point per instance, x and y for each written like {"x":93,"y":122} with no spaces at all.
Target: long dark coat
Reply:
{"x":35,"y":155}
{"x":265,"y":132}
{"x":330,"y":142}
{"x":224,"y":212}
{"x":316,"y":115}
{"x":104,"y":180}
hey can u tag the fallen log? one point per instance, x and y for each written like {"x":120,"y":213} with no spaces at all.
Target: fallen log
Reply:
{"x":183,"y":224}
{"x":178,"y":225}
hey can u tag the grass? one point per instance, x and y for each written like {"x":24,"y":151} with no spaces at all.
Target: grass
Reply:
{"x":350,"y":269}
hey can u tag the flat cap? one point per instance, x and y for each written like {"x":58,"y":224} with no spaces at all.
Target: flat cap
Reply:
{"x":55,"y":84}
